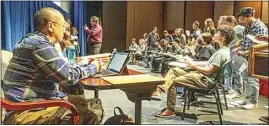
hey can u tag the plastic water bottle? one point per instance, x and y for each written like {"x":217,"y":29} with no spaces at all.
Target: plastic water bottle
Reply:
{"x":71,"y":54}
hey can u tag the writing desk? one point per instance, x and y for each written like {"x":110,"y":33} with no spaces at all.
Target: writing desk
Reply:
{"x":185,"y":66}
{"x":136,"y":92}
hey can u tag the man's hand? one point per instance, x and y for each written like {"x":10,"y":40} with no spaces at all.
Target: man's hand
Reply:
{"x":86,"y":27}
{"x":240,"y":53}
{"x":97,"y":63}
{"x":262,"y":37}
{"x":190,"y":63}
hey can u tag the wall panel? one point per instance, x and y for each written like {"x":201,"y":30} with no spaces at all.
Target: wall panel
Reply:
{"x":173,"y":15}
{"x":222,"y":8}
{"x":198,"y":11}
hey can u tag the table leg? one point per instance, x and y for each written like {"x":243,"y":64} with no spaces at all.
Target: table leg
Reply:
{"x":138,"y":107}
{"x":96,"y":93}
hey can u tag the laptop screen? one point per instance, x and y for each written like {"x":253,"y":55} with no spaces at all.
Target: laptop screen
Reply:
{"x":117,"y":61}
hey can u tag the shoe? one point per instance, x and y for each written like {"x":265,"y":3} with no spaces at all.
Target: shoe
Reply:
{"x":249,"y":106}
{"x":233,"y":94}
{"x":166,"y":113}
{"x":160,"y":89}
{"x":156,"y":96}
{"x":241,"y":102}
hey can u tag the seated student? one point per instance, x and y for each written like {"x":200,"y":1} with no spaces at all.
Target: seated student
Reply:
{"x":36,"y":70}
{"x":206,"y":50}
{"x":180,"y":37}
{"x":167,"y":36}
{"x":141,"y":48}
{"x":209,"y":26}
{"x":157,"y":59}
{"x":199,"y":77}
{"x":196,"y":32}
{"x":191,"y":45}
{"x":132,"y":48}
{"x":151,"y":53}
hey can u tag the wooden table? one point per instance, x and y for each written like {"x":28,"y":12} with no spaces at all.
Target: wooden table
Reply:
{"x":135,"y":92}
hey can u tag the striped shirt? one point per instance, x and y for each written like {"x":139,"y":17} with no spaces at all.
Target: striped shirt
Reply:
{"x":257,"y":28}
{"x":36,"y":70}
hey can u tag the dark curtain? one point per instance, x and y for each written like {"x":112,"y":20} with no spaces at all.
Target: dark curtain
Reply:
{"x":18,"y":19}
{"x":80,"y":18}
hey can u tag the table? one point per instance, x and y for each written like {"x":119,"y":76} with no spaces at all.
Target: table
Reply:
{"x":185,"y":66}
{"x":135,"y":92}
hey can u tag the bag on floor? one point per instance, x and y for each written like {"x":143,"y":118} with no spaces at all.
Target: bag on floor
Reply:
{"x":95,"y":105}
{"x":121,"y":119}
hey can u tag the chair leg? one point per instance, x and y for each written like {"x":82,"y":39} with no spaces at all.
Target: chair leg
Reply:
{"x":221,"y":110}
{"x":225,"y":100}
{"x":218,"y":107}
{"x":189,"y":98}
{"x":184,"y":107}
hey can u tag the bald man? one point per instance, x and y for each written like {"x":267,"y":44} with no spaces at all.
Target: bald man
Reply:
{"x":36,"y":70}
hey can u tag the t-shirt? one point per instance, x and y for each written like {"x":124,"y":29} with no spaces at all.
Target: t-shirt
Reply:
{"x":218,"y":59}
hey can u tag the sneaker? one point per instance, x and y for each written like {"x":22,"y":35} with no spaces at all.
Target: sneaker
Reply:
{"x":232,"y":95}
{"x":156,"y":96}
{"x":241,"y":102}
{"x":249,"y":106}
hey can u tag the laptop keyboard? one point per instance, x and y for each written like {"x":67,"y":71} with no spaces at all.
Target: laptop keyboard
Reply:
{"x":107,"y":72}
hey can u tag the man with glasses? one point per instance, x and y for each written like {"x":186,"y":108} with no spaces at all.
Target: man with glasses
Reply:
{"x":254,"y":27}
{"x":36,"y":70}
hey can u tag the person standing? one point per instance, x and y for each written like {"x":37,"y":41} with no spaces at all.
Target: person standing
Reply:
{"x":153,"y":37}
{"x":95,"y":36}
{"x":254,"y":27}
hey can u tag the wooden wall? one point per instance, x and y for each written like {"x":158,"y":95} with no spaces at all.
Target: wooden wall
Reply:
{"x":114,"y":25}
{"x":141,"y":17}
{"x":265,"y":12}
{"x":174,"y":14}
{"x":198,"y":11}
{"x":222,"y":8}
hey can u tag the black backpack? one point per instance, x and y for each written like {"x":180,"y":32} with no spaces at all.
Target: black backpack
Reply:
{"x":121,"y":119}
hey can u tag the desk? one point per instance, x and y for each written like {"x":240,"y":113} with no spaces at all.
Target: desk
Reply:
{"x":185,"y":66}
{"x":135,"y":92}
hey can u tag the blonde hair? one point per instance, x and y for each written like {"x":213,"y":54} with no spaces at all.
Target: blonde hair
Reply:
{"x":95,"y":19}
{"x":209,"y":25}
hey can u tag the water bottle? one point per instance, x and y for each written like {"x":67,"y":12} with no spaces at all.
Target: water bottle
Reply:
{"x":71,"y":54}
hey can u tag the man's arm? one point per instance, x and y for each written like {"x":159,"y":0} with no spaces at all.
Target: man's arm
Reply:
{"x":56,"y":69}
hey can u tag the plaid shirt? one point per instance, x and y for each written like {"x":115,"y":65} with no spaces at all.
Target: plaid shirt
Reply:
{"x":36,"y":69}
{"x":257,"y":28}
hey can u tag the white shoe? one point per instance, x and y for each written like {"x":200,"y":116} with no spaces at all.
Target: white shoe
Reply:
{"x":250,"y":106}
{"x":241,"y":102}
{"x":232,"y":95}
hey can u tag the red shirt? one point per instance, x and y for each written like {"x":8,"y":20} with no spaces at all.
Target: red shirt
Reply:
{"x":95,"y":35}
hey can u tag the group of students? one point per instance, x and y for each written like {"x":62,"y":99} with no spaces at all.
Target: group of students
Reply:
{"x":203,"y":46}
{"x":151,"y":48}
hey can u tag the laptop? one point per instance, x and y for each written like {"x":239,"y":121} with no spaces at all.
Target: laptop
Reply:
{"x":188,"y":33}
{"x":115,"y":66}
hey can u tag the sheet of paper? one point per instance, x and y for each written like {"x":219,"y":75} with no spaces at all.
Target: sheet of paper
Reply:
{"x":243,"y":67}
{"x":188,"y":33}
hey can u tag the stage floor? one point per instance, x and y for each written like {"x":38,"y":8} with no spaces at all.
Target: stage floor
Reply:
{"x":196,"y":115}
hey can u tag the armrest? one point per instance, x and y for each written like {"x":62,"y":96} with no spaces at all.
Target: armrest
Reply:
{"x":41,"y":104}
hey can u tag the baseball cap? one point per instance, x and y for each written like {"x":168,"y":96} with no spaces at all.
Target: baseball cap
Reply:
{"x":246,"y":11}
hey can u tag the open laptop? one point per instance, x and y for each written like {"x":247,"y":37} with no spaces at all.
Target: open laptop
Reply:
{"x":115,"y":66}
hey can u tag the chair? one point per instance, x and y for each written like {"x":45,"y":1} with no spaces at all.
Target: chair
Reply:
{"x":15,"y":106}
{"x":214,"y":91}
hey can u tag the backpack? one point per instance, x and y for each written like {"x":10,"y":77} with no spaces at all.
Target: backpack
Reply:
{"x":121,"y":119}
{"x":95,"y":105}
